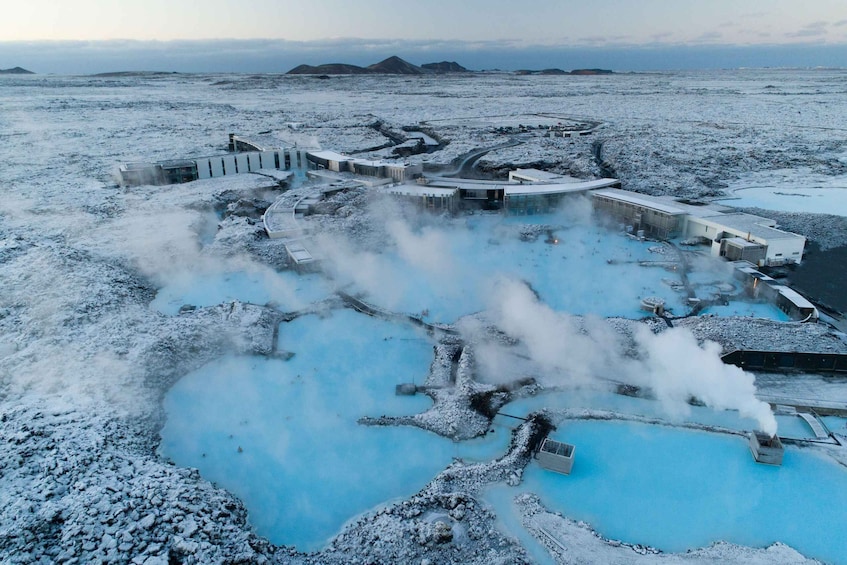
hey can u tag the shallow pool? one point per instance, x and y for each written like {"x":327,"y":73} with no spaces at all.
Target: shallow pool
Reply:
{"x":676,"y":489}
{"x":283,"y":435}
{"x":796,"y":198}
{"x":479,"y":251}
{"x":627,"y":405}
{"x":747,"y":309}
{"x":289,"y":290}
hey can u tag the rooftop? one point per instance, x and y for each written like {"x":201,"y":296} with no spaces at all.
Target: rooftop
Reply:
{"x":558,"y":188}
{"x":330,"y":155}
{"x":795,"y":297}
{"x":754,"y":225}
{"x":544,"y":176}
{"x":640,"y":200}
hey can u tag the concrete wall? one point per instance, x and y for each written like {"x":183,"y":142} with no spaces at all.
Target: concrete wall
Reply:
{"x":229,"y":164}
{"x":786,"y":250}
{"x":217,"y":166}
{"x":203,"y":168}
{"x":269,"y":160}
{"x":696,"y":227}
{"x":241,"y":164}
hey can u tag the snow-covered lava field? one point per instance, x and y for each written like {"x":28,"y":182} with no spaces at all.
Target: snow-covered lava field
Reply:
{"x":173,"y":391}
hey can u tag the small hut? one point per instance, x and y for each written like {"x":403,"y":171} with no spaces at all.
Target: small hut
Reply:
{"x":766,"y":449}
{"x":556,"y":456}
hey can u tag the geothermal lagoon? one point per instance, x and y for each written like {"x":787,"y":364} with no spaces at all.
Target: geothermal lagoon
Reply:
{"x":283,"y":434}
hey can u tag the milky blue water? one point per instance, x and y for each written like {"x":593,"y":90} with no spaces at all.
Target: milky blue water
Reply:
{"x":481,"y":250}
{"x":289,"y":290}
{"x":283,"y":435}
{"x":836,"y":424}
{"x":748,"y":309}
{"x":792,"y":198}
{"x":676,"y":490}
{"x":598,"y":400}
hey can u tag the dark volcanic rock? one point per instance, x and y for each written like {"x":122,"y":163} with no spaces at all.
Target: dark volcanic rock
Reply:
{"x":561,"y":72}
{"x":329,"y":69}
{"x":16,"y":71}
{"x":391,"y":66}
{"x":591,"y":72}
{"x":821,"y":276}
{"x":395,"y":66}
{"x":444,"y":67}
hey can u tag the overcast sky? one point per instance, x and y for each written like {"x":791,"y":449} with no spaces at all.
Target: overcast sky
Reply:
{"x":272,"y":35}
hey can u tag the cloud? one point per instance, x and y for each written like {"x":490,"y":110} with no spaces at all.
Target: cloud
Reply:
{"x":708,"y":37}
{"x":618,"y":52}
{"x":814,"y":29}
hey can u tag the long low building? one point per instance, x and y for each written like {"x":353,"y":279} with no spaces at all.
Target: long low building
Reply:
{"x":427,"y":197}
{"x":340,"y":163}
{"x":745,"y":236}
{"x":187,"y":170}
{"x":734,"y":235}
{"x":519,"y":197}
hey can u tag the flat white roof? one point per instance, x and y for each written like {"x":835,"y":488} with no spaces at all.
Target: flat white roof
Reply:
{"x":543,"y":176}
{"x":795,"y":297}
{"x":471,"y":184}
{"x":299,"y":253}
{"x":756,"y":226}
{"x":741,"y":242}
{"x":329,"y":155}
{"x":639,"y":200}
{"x":557,"y":188}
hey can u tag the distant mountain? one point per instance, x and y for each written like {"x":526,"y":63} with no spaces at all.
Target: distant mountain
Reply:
{"x":16,"y":71}
{"x":329,"y":69}
{"x":395,"y":66}
{"x":444,"y":67}
{"x":561,"y":72}
{"x":391,"y":66}
{"x":592,"y":72}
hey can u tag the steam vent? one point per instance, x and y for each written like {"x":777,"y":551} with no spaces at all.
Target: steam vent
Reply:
{"x":766,"y":449}
{"x":556,"y":456}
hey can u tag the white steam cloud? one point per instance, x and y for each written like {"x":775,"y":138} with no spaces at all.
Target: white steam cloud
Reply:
{"x":672,"y":364}
{"x":676,"y":367}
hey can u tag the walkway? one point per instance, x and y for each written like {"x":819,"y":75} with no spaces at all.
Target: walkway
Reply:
{"x":282,"y":221}
{"x":815,"y":424}
{"x":369,"y":309}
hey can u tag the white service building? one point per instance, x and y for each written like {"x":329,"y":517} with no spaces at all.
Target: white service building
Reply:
{"x":734,"y":235}
{"x":739,"y":236}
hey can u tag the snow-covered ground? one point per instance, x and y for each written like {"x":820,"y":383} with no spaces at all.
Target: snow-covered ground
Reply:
{"x":92,"y":337}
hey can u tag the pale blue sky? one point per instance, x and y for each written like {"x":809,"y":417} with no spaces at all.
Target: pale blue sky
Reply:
{"x":569,"y":22}
{"x":90,"y":35}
